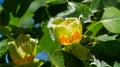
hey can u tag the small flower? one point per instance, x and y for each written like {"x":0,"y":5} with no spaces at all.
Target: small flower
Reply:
{"x":68,"y":31}
{"x":23,"y":50}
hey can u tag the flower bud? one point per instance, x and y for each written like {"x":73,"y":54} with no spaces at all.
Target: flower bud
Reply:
{"x":23,"y":50}
{"x":68,"y":31}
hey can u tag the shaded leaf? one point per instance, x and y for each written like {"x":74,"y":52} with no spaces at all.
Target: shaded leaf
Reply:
{"x":54,"y":9}
{"x":4,"y":31}
{"x":76,"y":0}
{"x":57,"y":59}
{"x":64,"y":59}
{"x":11,"y":6}
{"x":56,"y":6}
{"x":4,"y":17}
{"x":27,"y":20}
{"x":40,"y":15}
{"x":18,"y":30}
{"x":107,"y":51}
{"x":16,"y":7}
{"x":55,"y":2}
{"x":3,"y":47}
{"x":80,"y":52}
{"x":75,"y":10}
{"x":100,"y":4}
{"x":22,"y":7}
{"x":32,"y":64}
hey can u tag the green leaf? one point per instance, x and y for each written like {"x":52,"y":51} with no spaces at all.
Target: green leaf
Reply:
{"x":16,"y":7}
{"x":13,"y":20}
{"x":75,"y":10}
{"x":65,"y":59}
{"x":111,"y":20}
{"x":4,"y":18}
{"x":76,"y":0}
{"x":4,"y":31}
{"x":79,"y":51}
{"x":32,"y":64}
{"x":57,"y":59}
{"x":54,"y":8}
{"x":107,"y":51}
{"x":93,"y":29}
{"x":116,"y":64}
{"x":99,"y":4}
{"x":55,"y":1}
{"x":3,"y":47}
{"x":17,"y":30}
{"x":26,"y":20}
{"x":46,"y":43}
{"x":105,"y":37}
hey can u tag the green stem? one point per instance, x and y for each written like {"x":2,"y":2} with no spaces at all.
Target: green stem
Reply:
{"x":80,"y":52}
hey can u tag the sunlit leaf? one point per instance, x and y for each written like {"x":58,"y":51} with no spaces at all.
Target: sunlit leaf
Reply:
{"x":93,"y":29}
{"x":116,"y":64}
{"x":13,"y":20}
{"x":111,"y":19}
{"x":105,"y":37}
{"x":46,"y":43}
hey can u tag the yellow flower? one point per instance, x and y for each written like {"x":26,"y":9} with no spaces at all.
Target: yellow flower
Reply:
{"x":23,"y":50}
{"x":68,"y":31}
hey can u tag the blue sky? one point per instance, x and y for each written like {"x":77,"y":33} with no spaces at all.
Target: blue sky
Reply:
{"x":1,"y":1}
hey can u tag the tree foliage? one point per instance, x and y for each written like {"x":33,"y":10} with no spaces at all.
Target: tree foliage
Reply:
{"x":100,"y":43}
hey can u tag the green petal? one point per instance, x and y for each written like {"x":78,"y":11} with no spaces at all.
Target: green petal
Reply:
{"x":14,"y":50}
{"x":75,"y":25}
{"x":58,"y":20}
{"x":60,"y":30}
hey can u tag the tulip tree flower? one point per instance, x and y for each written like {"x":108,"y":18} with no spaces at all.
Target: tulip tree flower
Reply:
{"x":23,"y":50}
{"x":68,"y":31}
